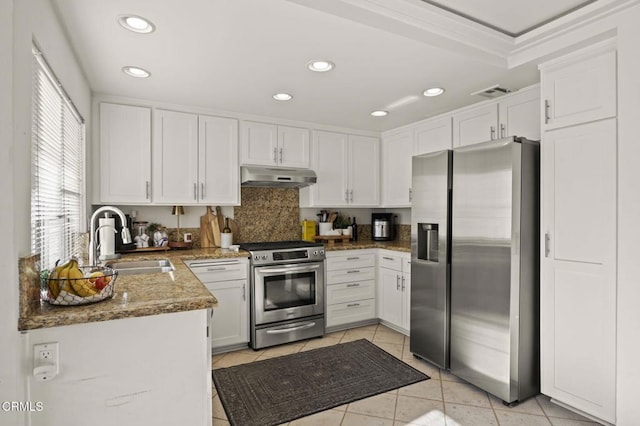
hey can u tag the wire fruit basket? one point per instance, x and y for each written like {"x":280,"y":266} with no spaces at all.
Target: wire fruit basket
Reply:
{"x":70,"y":284}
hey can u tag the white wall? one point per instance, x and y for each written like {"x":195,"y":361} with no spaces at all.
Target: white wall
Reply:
{"x":628,"y":411}
{"x":10,"y":383}
{"x":20,"y":22}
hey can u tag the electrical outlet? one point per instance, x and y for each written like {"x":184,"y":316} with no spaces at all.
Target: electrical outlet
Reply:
{"x":45,"y":361}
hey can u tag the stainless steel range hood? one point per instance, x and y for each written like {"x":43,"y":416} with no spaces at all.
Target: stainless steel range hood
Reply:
{"x":254,"y":176}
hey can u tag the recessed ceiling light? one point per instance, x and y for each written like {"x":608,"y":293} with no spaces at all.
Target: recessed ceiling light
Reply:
{"x":136,"y":72}
{"x":282,"y":97}
{"x":136,"y":24}
{"x":379,"y":113}
{"x":433,"y":91}
{"x":320,"y":66}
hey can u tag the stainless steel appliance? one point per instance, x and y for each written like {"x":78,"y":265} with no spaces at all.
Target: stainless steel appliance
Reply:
{"x":493,"y":248}
{"x":253,"y":176}
{"x":383,"y":227}
{"x":287,"y":292}
{"x":430,"y":257}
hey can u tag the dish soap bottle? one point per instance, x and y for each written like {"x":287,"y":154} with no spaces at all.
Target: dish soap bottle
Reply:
{"x":226,"y":237}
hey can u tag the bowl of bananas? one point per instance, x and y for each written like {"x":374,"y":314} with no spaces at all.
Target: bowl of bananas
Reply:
{"x":71,"y":284}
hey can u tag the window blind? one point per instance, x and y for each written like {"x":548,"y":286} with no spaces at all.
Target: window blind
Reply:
{"x":57,"y":168}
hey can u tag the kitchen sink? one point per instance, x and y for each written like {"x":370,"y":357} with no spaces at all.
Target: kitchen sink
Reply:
{"x":142,"y":267}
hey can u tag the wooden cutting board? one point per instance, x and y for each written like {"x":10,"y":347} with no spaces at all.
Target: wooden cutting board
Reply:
{"x":215,"y":228}
{"x":220,"y":218}
{"x":206,"y":231}
{"x":234,"y":229}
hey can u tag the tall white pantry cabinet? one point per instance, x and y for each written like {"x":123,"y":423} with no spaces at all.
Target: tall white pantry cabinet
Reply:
{"x":578,"y":228}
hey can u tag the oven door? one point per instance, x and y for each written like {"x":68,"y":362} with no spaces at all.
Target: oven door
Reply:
{"x":285,"y":292}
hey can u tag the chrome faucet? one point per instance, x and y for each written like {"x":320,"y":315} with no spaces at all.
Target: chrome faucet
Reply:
{"x":126,"y":235}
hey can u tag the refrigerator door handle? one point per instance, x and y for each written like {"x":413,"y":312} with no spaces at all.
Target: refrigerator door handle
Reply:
{"x":547,"y":241}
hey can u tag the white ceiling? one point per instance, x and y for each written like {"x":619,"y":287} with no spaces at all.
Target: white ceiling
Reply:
{"x":232,"y":55}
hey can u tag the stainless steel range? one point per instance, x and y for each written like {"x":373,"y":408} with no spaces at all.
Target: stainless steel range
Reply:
{"x":287,"y":292}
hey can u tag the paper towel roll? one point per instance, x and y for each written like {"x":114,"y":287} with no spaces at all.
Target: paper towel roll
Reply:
{"x":107,"y":236}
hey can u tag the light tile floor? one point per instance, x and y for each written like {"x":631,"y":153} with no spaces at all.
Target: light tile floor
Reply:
{"x":444,"y":400}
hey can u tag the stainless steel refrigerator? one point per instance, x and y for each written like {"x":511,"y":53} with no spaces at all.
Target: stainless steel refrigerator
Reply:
{"x":491,"y":305}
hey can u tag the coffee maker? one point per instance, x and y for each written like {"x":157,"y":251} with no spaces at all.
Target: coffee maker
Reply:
{"x":383,"y":227}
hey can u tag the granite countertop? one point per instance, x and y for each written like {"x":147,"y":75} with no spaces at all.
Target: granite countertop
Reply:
{"x":399,"y":245}
{"x":147,"y":294}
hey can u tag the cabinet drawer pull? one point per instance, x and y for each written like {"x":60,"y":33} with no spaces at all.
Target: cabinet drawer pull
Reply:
{"x":353,"y":258}
{"x":354,"y":271}
{"x":352,"y":305}
{"x":388,"y":258}
{"x":353,"y":285}
{"x":547,"y":107}
{"x":220,"y":268}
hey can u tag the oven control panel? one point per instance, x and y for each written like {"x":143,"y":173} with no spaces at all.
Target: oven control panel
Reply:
{"x":264,"y":257}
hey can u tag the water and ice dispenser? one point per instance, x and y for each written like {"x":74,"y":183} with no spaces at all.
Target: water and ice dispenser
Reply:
{"x":428,"y":241}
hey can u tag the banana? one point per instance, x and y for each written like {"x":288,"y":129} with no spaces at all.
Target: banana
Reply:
{"x":81,"y":286}
{"x":54,"y":279}
{"x":63,"y":279}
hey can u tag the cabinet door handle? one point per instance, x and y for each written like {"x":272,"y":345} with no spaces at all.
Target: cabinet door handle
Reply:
{"x":148,"y":188}
{"x":403,"y":284}
{"x":410,"y":195}
{"x":351,"y":196}
{"x":280,"y":155}
{"x":275,"y":155}
{"x":547,"y":244}
{"x":397,"y":282}
{"x":352,"y":305}
{"x":547,"y":108}
{"x":346,"y":195}
{"x":493,"y":132}
{"x":195,"y":191}
{"x":202,"y":191}
{"x":353,"y":285}
{"x":244,"y":292}
{"x":503,"y":130}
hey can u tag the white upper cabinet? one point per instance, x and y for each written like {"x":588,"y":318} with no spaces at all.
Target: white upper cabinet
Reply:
{"x":125,"y":154}
{"x":195,"y":159}
{"x":397,"y":150}
{"x":475,"y":125}
{"x":347,"y":168}
{"x":264,"y":144}
{"x":516,"y":114}
{"x":175,"y":157}
{"x":433,"y":135}
{"x":218,"y":169}
{"x":580,"y":89}
{"x":519,"y":115}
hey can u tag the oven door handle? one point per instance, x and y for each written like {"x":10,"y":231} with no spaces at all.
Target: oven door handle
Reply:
{"x":291,"y":329}
{"x":288,"y":269}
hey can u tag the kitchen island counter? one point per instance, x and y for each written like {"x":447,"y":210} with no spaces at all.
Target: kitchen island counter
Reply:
{"x":136,"y":295}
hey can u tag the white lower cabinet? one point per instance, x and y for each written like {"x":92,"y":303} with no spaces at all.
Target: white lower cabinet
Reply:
{"x":578,"y":267}
{"x":227,"y":280}
{"x":394,"y":289}
{"x":351,"y":288}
